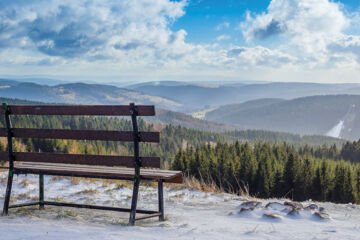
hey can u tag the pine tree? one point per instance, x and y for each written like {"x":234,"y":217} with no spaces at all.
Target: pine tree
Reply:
{"x":290,"y":174}
{"x":357,"y":183}
{"x":264,"y":175}
{"x":248,"y":167}
{"x":303,"y":182}
{"x":29,"y":146}
{"x":178,"y":163}
{"x":322,"y":183}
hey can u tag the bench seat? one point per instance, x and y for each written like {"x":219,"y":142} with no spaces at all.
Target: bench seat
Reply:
{"x":97,"y":171}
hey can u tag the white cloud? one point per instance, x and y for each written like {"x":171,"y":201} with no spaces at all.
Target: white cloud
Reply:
{"x":260,"y":56}
{"x":223,"y":37}
{"x":346,"y":44}
{"x":94,"y":29}
{"x":311,"y":30}
{"x":222,"y":26}
{"x":104,"y":35}
{"x":310,"y":24}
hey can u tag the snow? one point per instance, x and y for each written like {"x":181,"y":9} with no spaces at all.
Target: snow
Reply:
{"x":190,"y":214}
{"x":336,"y":130}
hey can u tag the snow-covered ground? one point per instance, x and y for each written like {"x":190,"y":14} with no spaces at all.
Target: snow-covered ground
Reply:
{"x":190,"y":214}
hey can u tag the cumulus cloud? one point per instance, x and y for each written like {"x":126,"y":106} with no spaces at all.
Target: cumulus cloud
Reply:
{"x":260,"y":56}
{"x":223,"y":37}
{"x":314,"y":31}
{"x":270,"y":29}
{"x":311,"y":24}
{"x":135,"y":34}
{"x":84,"y":28}
{"x":346,"y":44}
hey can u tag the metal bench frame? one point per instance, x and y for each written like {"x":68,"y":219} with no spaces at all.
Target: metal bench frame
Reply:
{"x":131,"y":110}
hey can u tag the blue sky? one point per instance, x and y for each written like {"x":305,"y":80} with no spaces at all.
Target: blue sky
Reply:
{"x":204,"y":18}
{"x":147,"y":40}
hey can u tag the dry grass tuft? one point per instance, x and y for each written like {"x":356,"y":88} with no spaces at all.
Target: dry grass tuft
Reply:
{"x":67,"y":214}
{"x":57,"y":178}
{"x":88,"y":191}
{"x":25,"y":211}
{"x":24,"y":182}
{"x":22,"y":196}
{"x":75,"y":180}
{"x":195,"y":184}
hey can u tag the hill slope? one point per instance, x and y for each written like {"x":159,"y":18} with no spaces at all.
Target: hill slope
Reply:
{"x":80,"y":93}
{"x":333,"y":115}
{"x":192,"y":96}
{"x":184,"y":120}
{"x":196,"y":97}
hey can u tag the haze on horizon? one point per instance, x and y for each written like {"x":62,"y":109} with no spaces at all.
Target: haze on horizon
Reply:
{"x":197,"y":40}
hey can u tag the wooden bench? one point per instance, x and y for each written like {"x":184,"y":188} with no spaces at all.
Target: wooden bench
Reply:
{"x":91,"y":166}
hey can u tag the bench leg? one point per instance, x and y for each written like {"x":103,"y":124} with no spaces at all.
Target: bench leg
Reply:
{"x":161,"y":200}
{"x":41,"y":191}
{"x":8,"y":193}
{"x":134,"y":200}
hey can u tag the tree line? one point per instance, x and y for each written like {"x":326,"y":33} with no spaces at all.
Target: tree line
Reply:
{"x":265,"y":171}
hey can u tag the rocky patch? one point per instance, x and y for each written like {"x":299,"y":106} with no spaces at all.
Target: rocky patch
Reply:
{"x":279,"y":210}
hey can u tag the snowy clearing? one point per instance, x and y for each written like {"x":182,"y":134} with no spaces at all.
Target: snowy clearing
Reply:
{"x":190,"y":214}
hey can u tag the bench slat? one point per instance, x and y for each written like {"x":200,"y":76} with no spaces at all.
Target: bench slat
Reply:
{"x":102,"y":160}
{"x":64,"y":166}
{"x":100,"y":110}
{"x":160,"y":171}
{"x":165,"y":173}
{"x":81,"y":170}
{"x":4,"y":156}
{"x":3,"y":132}
{"x":126,"y":136}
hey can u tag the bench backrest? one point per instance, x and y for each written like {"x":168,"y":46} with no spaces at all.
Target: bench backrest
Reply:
{"x":134,"y":136}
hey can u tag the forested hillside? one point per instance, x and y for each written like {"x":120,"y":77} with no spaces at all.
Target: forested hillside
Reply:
{"x":272,"y":137}
{"x":333,"y":115}
{"x":184,"y":120}
{"x":276,"y":170}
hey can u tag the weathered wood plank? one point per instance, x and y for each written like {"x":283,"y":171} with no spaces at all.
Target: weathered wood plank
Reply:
{"x":87,"y":169}
{"x":125,"y":136}
{"x":4,"y":156}
{"x":103,"y":160}
{"x":81,"y":170}
{"x":3,"y":132}
{"x":99,"y":168}
{"x":100,"y":110}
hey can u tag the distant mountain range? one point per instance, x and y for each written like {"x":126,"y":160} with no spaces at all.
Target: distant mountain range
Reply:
{"x":332,"y":115}
{"x":194,"y":97}
{"x":282,"y":107}
{"x":177,"y":96}
{"x":43,"y":81}
{"x":80,"y":93}
{"x":190,"y":126}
